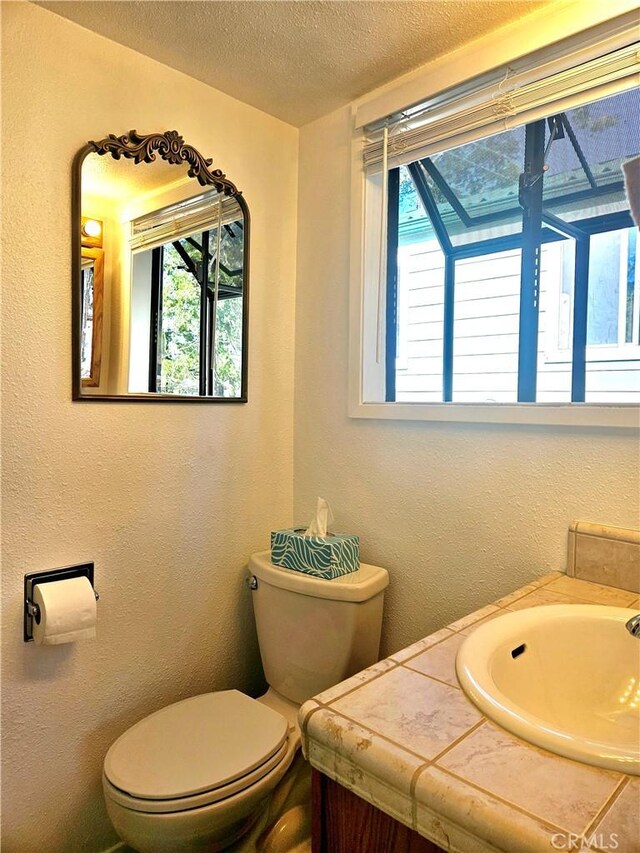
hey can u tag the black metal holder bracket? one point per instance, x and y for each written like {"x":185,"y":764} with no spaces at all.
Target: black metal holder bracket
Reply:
{"x":31,"y":610}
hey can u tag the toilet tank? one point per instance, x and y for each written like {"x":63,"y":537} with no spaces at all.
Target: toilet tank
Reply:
{"x":314,"y":633}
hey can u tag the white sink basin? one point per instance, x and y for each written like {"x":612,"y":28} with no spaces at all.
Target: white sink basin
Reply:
{"x":565,"y":677}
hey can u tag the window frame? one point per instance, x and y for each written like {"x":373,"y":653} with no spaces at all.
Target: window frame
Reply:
{"x":618,"y":352}
{"x":365,"y":369}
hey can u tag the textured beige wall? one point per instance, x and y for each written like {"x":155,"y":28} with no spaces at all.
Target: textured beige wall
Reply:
{"x":169,"y":500}
{"x":458,"y":513}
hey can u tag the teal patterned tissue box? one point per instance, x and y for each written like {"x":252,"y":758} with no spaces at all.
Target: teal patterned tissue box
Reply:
{"x":321,"y":556}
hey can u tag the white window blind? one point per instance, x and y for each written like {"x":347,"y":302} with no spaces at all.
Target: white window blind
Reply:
{"x":183,"y":219}
{"x":519,"y":98}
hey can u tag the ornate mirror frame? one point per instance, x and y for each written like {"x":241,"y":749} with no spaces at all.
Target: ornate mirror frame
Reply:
{"x":170,"y":146}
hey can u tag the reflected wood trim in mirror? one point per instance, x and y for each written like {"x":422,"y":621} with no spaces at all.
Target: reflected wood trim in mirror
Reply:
{"x":97,"y":309}
{"x":177,"y":228}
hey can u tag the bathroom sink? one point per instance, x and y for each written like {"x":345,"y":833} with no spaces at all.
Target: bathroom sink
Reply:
{"x":565,"y":677}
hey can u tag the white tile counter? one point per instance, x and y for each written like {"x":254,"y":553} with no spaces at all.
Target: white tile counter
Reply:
{"x":403,"y":736}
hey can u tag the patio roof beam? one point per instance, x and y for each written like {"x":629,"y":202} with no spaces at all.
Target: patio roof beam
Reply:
{"x":579,"y":153}
{"x":430,"y":207}
{"x":446,"y":191}
{"x":516,"y":212}
{"x":570,"y":229}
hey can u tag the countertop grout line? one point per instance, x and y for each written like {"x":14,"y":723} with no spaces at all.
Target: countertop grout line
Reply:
{"x":539,"y":583}
{"x":579,"y":577}
{"x":422,"y":651}
{"x":519,"y":597}
{"x":306,"y":727}
{"x":372,"y":730}
{"x":593,"y":583}
{"x":471,"y":624}
{"x":433,"y":677}
{"x":367,"y":796}
{"x":462,"y":828}
{"x":412,"y":794}
{"x":303,"y":728}
{"x":521,"y":809}
{"x":373,"y":678}
{"x":457,"y":742}
{"x":386,"y":738}
{"x":550,"y":577}
{"x":606,"y":807}
{"x":571,"y":599}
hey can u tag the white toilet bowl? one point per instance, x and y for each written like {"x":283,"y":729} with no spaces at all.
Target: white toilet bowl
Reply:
{"x":196,"y":775}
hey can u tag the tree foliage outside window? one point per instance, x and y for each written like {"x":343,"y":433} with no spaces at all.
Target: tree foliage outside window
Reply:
{"x":180,"y":343}
{"x":180,"y":335}
{"x":228,"y":342}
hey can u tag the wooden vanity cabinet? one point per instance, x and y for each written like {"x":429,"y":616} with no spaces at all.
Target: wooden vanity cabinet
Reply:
{"x":342,"y":822}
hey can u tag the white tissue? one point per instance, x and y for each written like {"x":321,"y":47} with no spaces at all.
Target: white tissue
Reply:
{"x":67,"y":611}
{"x":320,"y":522}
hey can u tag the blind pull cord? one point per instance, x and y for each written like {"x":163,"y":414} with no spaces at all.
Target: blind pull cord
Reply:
{"x":382,"y":269}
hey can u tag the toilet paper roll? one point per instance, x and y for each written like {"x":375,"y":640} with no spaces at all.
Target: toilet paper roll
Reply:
{"x":67,"y":611}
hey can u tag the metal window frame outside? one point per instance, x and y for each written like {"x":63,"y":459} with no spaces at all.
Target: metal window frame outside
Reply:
{"x":530,"y":240}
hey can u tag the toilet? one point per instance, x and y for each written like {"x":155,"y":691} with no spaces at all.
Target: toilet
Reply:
{"x":198,"y":774}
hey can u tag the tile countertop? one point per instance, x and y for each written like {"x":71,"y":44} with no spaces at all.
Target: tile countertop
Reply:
{"x":403,"y":736}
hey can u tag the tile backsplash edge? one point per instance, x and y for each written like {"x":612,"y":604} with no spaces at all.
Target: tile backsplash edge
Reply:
{"x":604,"y":554}
{"x":604,"y":531}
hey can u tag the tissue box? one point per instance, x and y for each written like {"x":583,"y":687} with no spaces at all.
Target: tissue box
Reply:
{"x":321,"y":556}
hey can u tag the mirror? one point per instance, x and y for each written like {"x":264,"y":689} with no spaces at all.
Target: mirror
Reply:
{"x":92,"y":272}
{"x":160,"y":274}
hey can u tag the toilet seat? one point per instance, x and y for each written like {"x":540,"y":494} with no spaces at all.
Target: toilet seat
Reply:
{"x":195,"y":752}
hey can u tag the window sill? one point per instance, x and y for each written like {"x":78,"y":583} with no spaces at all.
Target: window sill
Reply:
{"x":567,"y":414}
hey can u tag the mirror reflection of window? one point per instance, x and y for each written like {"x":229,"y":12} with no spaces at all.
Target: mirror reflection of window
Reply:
{"x":86,"y":343}
{"x":92,"y":285}
{"x":187,"y":299}
{"x":177,"y":362}
{"x":228,"y":320}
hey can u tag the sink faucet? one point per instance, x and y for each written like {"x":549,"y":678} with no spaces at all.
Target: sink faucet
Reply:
{"x":633,"y":626}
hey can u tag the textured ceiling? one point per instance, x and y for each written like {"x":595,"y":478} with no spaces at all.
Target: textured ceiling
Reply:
{"x":296,"y":60}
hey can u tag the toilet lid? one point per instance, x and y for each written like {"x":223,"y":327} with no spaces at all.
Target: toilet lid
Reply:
{"x":194,"y":746}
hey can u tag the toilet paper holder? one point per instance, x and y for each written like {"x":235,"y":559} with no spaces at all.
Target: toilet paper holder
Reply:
{"x":31,"y":610}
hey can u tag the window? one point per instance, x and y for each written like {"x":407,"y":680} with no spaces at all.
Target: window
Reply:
{"x":506,"y":265}
{"x":467,"y":333}
{"x":187,"y":299}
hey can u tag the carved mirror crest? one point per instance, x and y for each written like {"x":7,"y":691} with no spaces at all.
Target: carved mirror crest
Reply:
{"x":160,"y":273}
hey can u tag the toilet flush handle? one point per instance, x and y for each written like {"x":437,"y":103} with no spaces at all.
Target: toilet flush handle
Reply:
{"x":253,"y":582}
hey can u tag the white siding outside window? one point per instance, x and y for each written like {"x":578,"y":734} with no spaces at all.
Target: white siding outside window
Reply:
{"x":486,"y":327}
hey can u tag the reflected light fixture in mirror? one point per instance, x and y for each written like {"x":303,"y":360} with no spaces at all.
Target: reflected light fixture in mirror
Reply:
{"x":91,"y":233}
{"x":160,"y":274}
